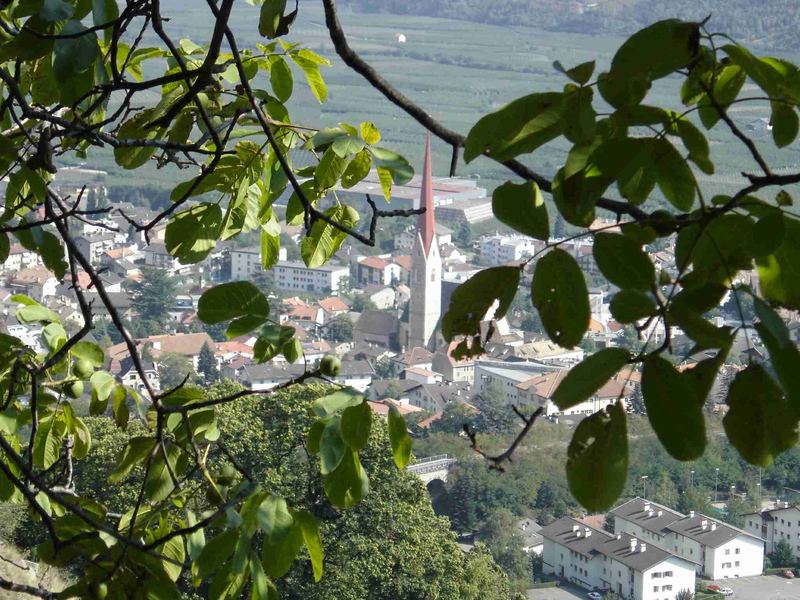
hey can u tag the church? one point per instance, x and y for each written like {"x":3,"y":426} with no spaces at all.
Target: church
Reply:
{"x":425,"y":307}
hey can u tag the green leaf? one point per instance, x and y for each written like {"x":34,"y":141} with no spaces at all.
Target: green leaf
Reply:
{"x":629,"y":306}
{"x":120,"y":407}
{"x":313,"y":75}
{"x":699,"y":329}
{"x":398,"y":166}
{"x":673,"y":175}
{"x":779,"y":272}
{"x":623,"y":262}
{"x":292,"y":350}
{"x":34,"y":313}
{"x":270,"y":18}
{"x":74,"y":55}
{"x":783,"y":353}
{"x":324,"y":239}
{"x":473,"y":299}
{"x":559,"y":294}
{"x":159,"y":484}
{"x":759,"y":424}
{"x":672,"y":410}
{"x":399,"y":438}
{"x":357,"y":169}
{"x":597,"y":459}
{"x":355,"y":425}
{"x":314,"y":437}
{"x":580,"y":74}
{"x":727,"y":87}
{"x":103,"y":384}
{"x":590,"y":375}
{"x":521,"y":207}
{"x":785,"y":124}
{"x":348,"y":484}
{"x":136,"y":128}
{"x":56,"y":10}
{"x":311,"y":537}
{"x":578,"y":115}
{"x":517,"y":128}
{"x":47,"y":442}
{"x":329,"y":170}
{"x":274,"y":518}
{"x":216,"y":553}
{"x":337,"y":401}
{"x":54,"y":336}
{"x":649,"y":54}
{"x":370,"y":133}
{"x":331,"y":447}
{"x":89,"y":351}
{"x":263,"y":589}
{"x":192,"y":234}
{"x":231,"y":300}
{"x":280,"y":554}
{"x":767,"y":234}
{"x":385,"y":179}
{"x":280,"y":77}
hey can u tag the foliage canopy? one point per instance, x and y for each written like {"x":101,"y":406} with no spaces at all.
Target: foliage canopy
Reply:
{"x":77,"y":75}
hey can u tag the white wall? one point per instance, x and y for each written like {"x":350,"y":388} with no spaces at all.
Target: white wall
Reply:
{"x":748,"y":552}
{"x":673,"y":574}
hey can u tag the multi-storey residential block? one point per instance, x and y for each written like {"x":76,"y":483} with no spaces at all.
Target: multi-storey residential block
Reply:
{"x":781,"y":523}
{"x":296,"y":276}
{"x":624,"y":564}
{"x":719,"y":550}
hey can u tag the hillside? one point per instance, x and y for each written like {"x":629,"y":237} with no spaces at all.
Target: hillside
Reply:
{"x":767,"y":23}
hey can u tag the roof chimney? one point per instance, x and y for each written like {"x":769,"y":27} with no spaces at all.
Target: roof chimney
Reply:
{"x":691,"y":514}
{"x":660,"y":513}
{"x":646,"y":507}
{"x":633,"y":544}
{"x":642,"y":547}
{"x":578,"y":533}
{"x":587,"y":532}
{"x":713,"y":526}
{"x":575,"y":527}
{"x":704,"y":524}
{"x":619,"y":536}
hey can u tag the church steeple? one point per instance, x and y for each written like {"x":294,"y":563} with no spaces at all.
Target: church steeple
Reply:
{"x":425,"y":222}
{"x":426,"y":269}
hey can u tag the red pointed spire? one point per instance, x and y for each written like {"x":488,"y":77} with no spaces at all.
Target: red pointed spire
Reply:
{"x":425,"y":222}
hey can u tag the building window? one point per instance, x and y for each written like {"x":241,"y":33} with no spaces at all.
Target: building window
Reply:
{"x":656,"y":575}
{"x":727,"y":551}
{"x":667,"y":573}
{"x":655,"y":588}
{"x":666,"y":588}
{"x":738,"y":550}
{"x":736,"y":564}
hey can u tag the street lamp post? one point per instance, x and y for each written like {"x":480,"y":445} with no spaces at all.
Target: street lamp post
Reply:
{"x":758,"y":487}
{"x":716,"y":477}
{"x":644,"y":485}
{"x":691,"y":479}
{"x":733,"y":491}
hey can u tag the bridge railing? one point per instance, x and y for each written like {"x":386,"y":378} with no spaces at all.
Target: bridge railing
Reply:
{"x":432,"y":463}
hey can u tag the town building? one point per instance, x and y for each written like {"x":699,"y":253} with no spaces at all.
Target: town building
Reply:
{"x":539,"y":391}
{"x":774,"y":525}
{"x":502,"y":249}
{"x":597,"y":560}
{"x":297,"y":277}
{"x":426,"y":269}
{"x":719,"y":550}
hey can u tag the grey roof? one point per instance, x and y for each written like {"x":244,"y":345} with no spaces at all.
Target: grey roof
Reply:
{"x":600,"y":542}
{"x":768,"y":514}
{"x":376,"y":322}
{"x":530,"y":530}
{"x":692,"y":527}
{"x":285,"y":372}
{"x":634,"y":511}
{"x":672,"y":521}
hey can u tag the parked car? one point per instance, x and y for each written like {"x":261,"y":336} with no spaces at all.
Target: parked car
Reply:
{"x":594,"y":596}
{"x":713,"y":588}
{"x":788,"y":574}
{"x":726,"y":591}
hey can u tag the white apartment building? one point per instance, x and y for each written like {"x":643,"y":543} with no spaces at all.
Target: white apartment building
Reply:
{"x":296,"y":276}
{"x":246,"y":262}
{"x":776,"y":524}
{"x":719,"y":550}
{"x":501,"y":249}
{"x":506,"y":376}
{"x":595,"y":559}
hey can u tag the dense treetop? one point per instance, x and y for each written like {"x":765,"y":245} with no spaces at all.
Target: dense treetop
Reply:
{"x":76,"y":76}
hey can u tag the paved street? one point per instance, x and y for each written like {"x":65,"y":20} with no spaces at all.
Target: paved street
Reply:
{"x":560,"y":593}
{"x":767,"y":587}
